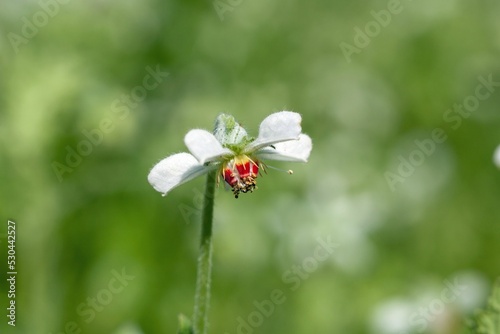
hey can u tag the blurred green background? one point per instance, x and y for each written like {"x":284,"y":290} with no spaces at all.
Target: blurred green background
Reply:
{"x":67,"y":69}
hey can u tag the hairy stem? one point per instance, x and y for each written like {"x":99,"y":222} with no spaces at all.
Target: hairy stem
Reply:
{"x":202,"y":296}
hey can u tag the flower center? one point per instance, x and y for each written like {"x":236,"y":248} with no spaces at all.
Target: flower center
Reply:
{"x":240,"y":173}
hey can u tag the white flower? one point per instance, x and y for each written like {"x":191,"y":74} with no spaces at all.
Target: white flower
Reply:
{"x":237,"y":157}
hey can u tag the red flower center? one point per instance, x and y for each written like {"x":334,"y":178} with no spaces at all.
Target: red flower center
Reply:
{"x":240,"y":173}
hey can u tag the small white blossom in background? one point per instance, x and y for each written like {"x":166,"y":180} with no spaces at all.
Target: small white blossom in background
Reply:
{"x":438,"y":308}
{"x":496,"y":157}
{"x":236,"y":156}
{"x":391,"y":317}
{"x":128,"y":328}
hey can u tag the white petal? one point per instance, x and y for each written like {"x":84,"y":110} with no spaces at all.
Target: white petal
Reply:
{"x":277,"y":127}
{"x":496,"y":157}
{"x":228,"y":131}
{"x":204,"y":146}
{"x":175,"y":170}
{"x":292,"y":150}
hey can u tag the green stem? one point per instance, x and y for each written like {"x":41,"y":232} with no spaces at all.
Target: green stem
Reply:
{"x":202,"y":296}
